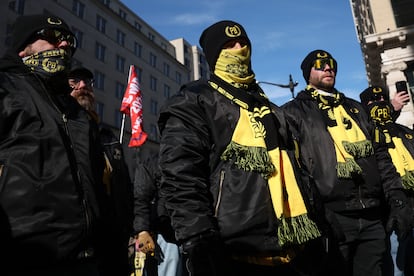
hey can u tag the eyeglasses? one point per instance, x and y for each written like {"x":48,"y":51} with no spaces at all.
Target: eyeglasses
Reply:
{"x":74,"y":82}
{"x":56,"y":36}
{"x":320,"y":64}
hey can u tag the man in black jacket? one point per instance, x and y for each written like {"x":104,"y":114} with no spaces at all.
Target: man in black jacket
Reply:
{"x":399,"y":140}
{"x":352,"y":174}
{"x":116,"y":179}
{"x":50,"y":157}
{"x":229,"y":176}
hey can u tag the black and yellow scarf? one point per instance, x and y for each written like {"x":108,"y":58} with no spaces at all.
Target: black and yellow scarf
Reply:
{"x":256,"y":146}
{"x":386,"y":133}
{"x":349,"y":140}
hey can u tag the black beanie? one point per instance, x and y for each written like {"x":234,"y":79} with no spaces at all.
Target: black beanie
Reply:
{"x":373,"y":93}
{"x":307,"y":63}
{"x":80,"y":72}
{"x":214,"y":37}
{"x":25,"y":28}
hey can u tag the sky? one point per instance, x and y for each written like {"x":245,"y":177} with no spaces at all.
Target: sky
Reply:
{"x":282,"y":33}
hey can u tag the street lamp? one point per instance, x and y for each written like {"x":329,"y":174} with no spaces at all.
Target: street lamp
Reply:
{"x":291,"y":85}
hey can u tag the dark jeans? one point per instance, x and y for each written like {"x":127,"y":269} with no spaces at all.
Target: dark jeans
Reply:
{"x":363,"y":249}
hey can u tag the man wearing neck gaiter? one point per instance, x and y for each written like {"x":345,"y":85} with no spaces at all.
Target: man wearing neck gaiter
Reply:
{"x":354,"y":175}
{"x":399,"y":140}
{"x":229,"y":177}
{"x":50,"y":166}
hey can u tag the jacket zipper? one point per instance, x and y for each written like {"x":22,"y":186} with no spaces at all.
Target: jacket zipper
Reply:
{"x":84,"y":202}
{"x":222,"y":173}
{"x":360,"y":197}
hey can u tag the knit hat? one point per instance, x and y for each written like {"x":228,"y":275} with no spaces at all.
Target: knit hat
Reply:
{"x":373,"y":93}
{"x":307,"y":63}
{"x":217,"y":35}
{"x":26,"y":27}
{"x":80,"y":72}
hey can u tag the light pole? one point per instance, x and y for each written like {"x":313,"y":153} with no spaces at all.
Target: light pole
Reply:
{"x":291,"y":85}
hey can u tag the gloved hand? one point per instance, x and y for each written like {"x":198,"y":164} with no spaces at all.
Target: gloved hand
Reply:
{"x":400,"y":216}
{"x":145,"y":242}
{"x":204,"y":254}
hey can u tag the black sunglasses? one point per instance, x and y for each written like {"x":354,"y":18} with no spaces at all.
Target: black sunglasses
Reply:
{"x":54,"y":36}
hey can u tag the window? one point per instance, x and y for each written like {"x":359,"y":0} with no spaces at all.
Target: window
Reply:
{"x":118,"y":118}
{"x":17,"y":6}
{"x":122,"y":14}
{"x":153,"y":83}
{"x":120,"y":63}
{"x":78,"y":8}
{"x":187,"y":63}
{"x":99,"y":81}
{"x":151,"y":37}
{"x":166,"y":69}
{"x":154,"y":107}
{"x":100,"y":51}
{"x":139,"y":73}
{"x":153,"y":133}
{"x":120,"y":37}
{"x":100,"y":110}
{"x":137,"y":25}
{"x":79,"y":36}
{"x":119,"y":90}
{"x":403,"y":12}
{"x":106,"y":2}
{"x":178,"y":77}
{"x":100,"y":23}
{"x":185,"y":49}
{"x":153,"y":60}
{"x":137,"y":49}
{"x":167,"y":91}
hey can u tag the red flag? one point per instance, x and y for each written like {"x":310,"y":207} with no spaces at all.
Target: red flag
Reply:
{"x":132,"y":105}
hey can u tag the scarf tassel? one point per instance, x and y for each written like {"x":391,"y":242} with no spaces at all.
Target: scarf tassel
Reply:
{"x":359,"y":149}
{"x":408,"y":180}
{"x":297,"y":230}
{"x":348,"y":168}
{"x":250,"y":158}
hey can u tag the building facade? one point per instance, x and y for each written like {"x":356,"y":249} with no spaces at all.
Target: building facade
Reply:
{"x":385,"y":30}
{"x":111,"y":38}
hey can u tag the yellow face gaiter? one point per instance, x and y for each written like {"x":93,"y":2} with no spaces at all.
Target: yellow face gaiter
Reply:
{"x":233,"y":66}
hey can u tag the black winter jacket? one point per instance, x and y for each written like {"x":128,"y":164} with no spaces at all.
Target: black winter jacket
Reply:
{"x":203,"y":192}
{"x":379,"y":176}
{"x":51,"y":170}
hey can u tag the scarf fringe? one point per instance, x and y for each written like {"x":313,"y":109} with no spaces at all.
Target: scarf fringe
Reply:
{"x":348,"y":168}
{"x":250,"y":158}
{"x":408,"y":180}
{"x":359,"y":149}
{"x":297,"y":230}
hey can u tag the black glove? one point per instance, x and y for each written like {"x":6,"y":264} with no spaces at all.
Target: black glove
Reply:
{"x":400,"y":216}
{"x":204,"y":254}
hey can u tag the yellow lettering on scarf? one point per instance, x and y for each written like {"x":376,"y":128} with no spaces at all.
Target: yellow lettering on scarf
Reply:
{"x":401,"y":157}
{"x":248,"y":131}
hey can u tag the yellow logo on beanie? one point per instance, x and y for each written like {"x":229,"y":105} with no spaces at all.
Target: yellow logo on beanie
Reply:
{"x":322,"y":55}
{"x":233,"y":31}
{"x":376,"y":90}
{"x":54,"y":21}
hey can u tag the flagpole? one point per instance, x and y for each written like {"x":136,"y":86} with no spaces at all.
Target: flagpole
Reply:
{"x":121,"y":131}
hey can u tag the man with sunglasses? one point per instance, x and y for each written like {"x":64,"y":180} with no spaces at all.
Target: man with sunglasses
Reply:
{"x":117,"y":182}
{"x":353,"y":175}
{"x":51,"y":162}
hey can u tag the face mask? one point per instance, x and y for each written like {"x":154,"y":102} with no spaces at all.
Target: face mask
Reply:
{"x":380,"y":111}
{"x":48,"y":63}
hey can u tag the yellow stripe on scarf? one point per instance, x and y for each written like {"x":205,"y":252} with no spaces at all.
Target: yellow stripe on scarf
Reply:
{"x":249,"y":149}
{"x":350,"y":142}
{"x":403,"y":162}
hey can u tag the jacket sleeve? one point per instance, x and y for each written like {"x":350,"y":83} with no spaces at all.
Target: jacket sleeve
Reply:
{"x":144,"y":195}
{"x":184,"y":163}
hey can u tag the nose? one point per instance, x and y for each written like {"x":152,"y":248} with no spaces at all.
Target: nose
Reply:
{"x":81,"y":84}
{"x":328,"y":68}
{"x":237,"y":45}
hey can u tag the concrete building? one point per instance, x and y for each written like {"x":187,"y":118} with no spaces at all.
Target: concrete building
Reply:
{"x":385,"y":30}
{"x":112,"y":37}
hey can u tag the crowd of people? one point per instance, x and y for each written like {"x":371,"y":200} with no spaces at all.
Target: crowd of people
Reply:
{"x":322,"y":185}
